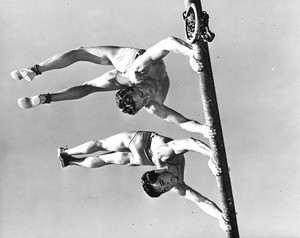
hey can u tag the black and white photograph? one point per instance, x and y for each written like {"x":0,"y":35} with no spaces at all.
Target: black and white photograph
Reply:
{"x":167,"y":119}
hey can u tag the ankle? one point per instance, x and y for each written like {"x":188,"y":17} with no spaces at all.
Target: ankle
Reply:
{"x":45,"y":98}
{"x":36,"y":69}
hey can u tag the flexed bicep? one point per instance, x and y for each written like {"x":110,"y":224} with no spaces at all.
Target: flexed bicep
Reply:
{"x":158,"y":51}
{"x":169,"y":44}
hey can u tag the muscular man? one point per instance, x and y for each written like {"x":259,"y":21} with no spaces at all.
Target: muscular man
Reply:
{"x":139,"y":76}
{"x":148,"y":148}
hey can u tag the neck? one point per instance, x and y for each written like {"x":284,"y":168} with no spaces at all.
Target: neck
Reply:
{"x":151,"y":84}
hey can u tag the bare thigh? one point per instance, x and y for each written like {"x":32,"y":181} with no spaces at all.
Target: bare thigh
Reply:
{"x":105,"y":55}
{"x":118,"y":158}
{"x":102,"y":83}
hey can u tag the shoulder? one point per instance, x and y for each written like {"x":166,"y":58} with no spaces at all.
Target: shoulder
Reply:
{"x":155,"y":107}
{"x":180,"y":189}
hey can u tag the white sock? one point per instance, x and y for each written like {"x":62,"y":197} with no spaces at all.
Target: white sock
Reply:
{"x":35,"y":100}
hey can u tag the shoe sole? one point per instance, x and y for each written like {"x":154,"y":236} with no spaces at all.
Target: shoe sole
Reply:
{"x":25,"y":103}
{"x":62,"y":162}
{"x":16,"y":75}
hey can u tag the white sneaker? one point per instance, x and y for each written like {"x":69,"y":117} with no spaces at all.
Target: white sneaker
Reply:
{"x":63,"y":156}
{"x":26,"y":74}
{"x":29,"y":102}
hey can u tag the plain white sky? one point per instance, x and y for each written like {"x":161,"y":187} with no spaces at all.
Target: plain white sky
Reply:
{"x":255,"y":59}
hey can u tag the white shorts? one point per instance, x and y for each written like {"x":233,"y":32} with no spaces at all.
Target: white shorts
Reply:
{"x":124,"y":60}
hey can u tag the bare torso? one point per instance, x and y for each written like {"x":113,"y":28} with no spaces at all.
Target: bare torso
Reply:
{"x":162,"y":152}
{"x":155,"y":76}
{"x":151,"y":73}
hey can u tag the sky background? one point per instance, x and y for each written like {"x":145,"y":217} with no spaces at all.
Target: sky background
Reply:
{"x":255,"y":58}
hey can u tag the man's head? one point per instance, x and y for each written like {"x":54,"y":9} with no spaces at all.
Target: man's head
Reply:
{"x":157,"y":182}
{"x":131,"y":99}
{"x":125,"y":100}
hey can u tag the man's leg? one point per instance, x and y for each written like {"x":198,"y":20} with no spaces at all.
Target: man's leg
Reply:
{"x":98,"y":55}
{"x":118,"y":158}
{"x":71,"y":93}
{"x":116,"y":148}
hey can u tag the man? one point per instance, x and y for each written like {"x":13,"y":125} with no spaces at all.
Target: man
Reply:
{"x":148,"y":148}
{"x":139,"y":75}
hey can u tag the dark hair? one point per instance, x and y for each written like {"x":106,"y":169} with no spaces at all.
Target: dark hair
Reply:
{"x":125,"y":101}
{"x":148,"y":179}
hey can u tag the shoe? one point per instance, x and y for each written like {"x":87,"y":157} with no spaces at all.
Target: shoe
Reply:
{"x":26,"y":74}
{"x":63,"y":156}
{"x":29,"y":102}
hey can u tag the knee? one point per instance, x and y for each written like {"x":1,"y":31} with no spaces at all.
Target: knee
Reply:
{"x":96,"y":164}
{"x":88,"y":88}
{"x":80,"y":48}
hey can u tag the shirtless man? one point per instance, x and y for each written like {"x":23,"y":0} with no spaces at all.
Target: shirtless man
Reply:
{"x":139,"y":76}
{"x":148,"y":148}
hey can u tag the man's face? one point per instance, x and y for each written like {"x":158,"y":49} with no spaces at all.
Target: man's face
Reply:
{"x":142,"y":96}
{"x":165,"y":182}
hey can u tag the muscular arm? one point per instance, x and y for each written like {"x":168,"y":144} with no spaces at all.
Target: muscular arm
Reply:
{"x":185,"y":145}
{"x":143,"y":63}
{"x":190,"y":144}
{"x":173,"y":44}
{"x":202,"y":202}
{"x":172,"y":116}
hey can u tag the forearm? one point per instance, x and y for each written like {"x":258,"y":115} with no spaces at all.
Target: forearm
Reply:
{"x":173,"y":44}
{"x":210,"y":208}
{"x":203,"y":203}
{"x":193,"y":126}
{"x":198,"y":146}
{"x":175,"y":117}
{"x":177,"y":45}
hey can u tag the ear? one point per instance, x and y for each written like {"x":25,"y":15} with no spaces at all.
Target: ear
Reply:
{"x":159,"y":171}
{"x":167,"y":189}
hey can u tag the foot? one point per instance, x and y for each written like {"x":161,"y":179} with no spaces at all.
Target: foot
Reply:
{"x":26,"y":74}
{"x":29,"y":102}
{"x":63,"y":156}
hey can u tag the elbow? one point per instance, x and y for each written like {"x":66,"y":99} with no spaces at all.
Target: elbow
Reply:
{"x":169,"y":43}
{"x":171,"y":40}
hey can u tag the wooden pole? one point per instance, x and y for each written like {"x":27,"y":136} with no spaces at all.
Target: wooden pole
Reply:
{"x":212,"y":117}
